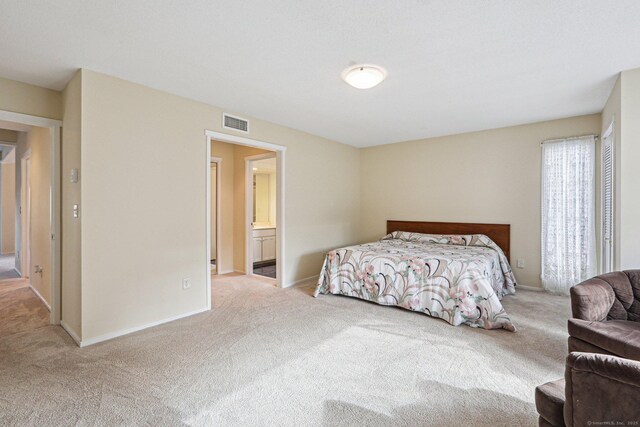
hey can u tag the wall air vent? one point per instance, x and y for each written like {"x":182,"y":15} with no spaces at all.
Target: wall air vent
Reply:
{"x":235,"y":123}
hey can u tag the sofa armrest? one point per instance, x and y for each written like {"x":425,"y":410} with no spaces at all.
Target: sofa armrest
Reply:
{"x":591,"y":300}
{"x":601,"y":388}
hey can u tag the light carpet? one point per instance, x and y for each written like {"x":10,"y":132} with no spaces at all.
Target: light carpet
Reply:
{"x":266,"y":356}
{"x":7,"y":267}
{"x":20,"y":309}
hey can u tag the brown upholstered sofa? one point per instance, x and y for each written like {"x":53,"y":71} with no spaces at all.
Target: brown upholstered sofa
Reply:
{"x":597,"y":389}
{"x":606,"y":311}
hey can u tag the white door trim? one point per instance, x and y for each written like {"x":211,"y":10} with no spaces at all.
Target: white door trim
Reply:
{"x":218,"y":162}
{"x":54,"y":200}
{"x":280,"y":196}
{"x":233,"y":139}
{"x":25,"y":214}
{"x":248,"y":210}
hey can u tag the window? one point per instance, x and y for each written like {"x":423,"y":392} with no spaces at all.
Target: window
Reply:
{"x":568,"y":212}
{"x":608,"y":178}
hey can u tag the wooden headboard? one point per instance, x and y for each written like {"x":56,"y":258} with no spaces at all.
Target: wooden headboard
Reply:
{"x":499,"y":233}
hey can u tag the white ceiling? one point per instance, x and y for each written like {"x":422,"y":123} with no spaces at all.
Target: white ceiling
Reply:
{"x":454,"y":66}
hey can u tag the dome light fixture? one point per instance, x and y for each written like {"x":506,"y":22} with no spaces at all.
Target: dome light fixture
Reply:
{"x":364,"y":76}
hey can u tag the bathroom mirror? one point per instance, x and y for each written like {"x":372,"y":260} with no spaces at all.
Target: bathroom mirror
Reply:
{"x":264,"y":192}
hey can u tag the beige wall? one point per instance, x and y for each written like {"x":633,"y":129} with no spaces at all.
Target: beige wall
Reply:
{"x":134,"y":277}
{"x":491,"y":176}
{"x":28,"y":99}
{"x":8,"y":202}
{"x":71,"y":296}
{"x":37,"y":141}
{"x":629,"y":170}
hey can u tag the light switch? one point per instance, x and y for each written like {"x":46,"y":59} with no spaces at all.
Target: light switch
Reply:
{"x":75,"y":211}
{"x":74,"y":175}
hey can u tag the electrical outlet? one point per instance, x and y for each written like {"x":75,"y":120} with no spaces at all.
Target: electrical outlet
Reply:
{"x":520,"y":263}
{"x":186,"y":283}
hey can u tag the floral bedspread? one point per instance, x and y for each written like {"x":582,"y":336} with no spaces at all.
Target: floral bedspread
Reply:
{"x":458,"y":278}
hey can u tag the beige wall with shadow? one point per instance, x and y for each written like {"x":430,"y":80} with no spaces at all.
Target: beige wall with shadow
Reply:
{"x":490,"y":176}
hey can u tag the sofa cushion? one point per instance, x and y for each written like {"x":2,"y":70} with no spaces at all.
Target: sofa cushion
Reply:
{"x":610,"y":296}
{"x":576,"y":344}
{"x":550,"y":402}
{"x":592,"y":299}
{"x":621,"y":286}
{"x":601,"y":390}
{"x":544,"y":423}
{"x":619,"y":337}
{"x":633,"y":311}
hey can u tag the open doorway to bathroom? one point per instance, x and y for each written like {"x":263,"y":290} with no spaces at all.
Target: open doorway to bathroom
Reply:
{"x":234,"y":211}
{"x":262,"y":214}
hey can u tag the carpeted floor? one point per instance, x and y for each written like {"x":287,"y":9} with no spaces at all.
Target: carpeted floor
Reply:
{"x":7,"y":267}
{"x":20,"y":309}
{"x":266,"y":356}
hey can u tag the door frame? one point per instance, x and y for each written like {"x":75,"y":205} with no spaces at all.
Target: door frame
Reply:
{"x":54,"y":127}
{"x":280,"y":198}
{"x":218,"y":162}
{"x":248,"y":210}
{"x":25,"y":214}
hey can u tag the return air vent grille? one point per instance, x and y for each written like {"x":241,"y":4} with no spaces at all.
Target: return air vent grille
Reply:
{"x":235,"y":123}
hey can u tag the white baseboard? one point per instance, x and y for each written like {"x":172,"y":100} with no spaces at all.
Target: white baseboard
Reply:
{"x":35,"y":291}
{"x":301,"y":281}
{"x":18,"y":271}
{"x":238,"y":271}
{"x":116,"y":334}
{"x":225,"y":272}
{"x":530,"y":288}
{"x":71,"y":333}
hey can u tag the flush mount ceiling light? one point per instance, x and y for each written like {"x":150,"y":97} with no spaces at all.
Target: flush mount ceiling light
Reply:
{"x":364,"y":76}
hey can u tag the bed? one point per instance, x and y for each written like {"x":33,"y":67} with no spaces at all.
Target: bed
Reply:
{"x":457,"y":272}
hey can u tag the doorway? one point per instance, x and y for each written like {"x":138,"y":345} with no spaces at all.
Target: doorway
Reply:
{"x":224,"y":208}
{"x":37,"y":213}
{"x":261,"y":215}
{"x":8,"y":267}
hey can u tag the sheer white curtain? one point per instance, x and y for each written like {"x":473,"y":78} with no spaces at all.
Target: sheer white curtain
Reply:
{"x":568,"y":212}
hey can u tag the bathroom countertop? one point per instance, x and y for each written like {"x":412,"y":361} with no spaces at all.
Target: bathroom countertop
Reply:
{"x":263,"y":227}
